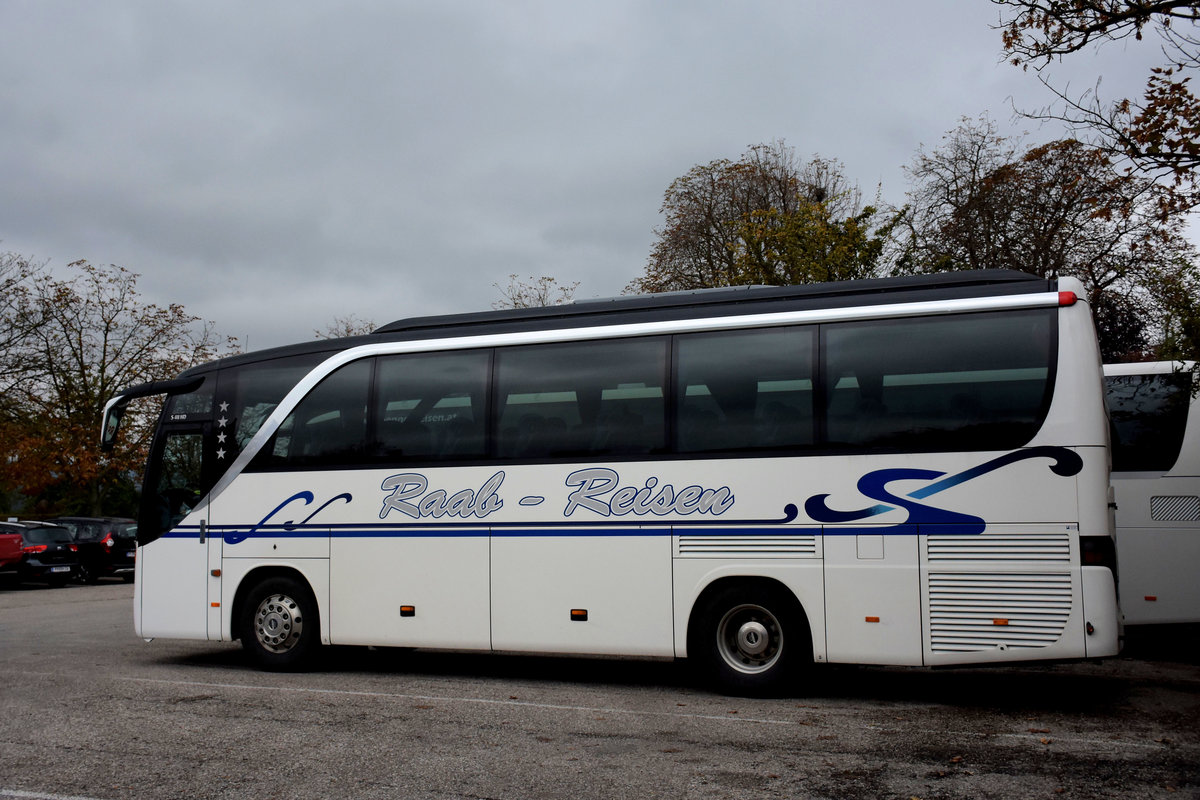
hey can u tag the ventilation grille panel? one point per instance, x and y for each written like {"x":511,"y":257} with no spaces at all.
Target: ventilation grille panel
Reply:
{"x":749,"y":545}
{"x":988,"y":547}
{"x":1175,"y":509}
{"x":969,"y":612}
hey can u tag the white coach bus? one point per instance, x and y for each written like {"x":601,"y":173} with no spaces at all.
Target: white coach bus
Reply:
{"x":1156,"y":483}
{"x":903,"y":471}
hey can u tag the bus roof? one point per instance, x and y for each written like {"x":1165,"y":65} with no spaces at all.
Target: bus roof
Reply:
{"x":727,"y":300}
{"x":672,"y":306}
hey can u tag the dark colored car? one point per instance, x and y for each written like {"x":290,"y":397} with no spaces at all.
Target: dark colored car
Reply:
{"x":48,"y":551}
{"x":107,"y":546}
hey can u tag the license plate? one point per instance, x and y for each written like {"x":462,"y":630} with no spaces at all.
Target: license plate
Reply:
{"x":131,"y":554}
{"x":60,"y":569}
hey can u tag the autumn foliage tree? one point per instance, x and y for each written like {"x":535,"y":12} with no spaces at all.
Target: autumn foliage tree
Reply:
{"x":1158,"y":135}
{"x":762,"y":219}
{"x":1058,"y":209}
{"x":17,"y":320}
{"x":85,"y":337}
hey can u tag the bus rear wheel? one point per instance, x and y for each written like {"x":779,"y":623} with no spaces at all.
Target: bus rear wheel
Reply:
{"x":279,"y":625}
{"x":749,"y":639}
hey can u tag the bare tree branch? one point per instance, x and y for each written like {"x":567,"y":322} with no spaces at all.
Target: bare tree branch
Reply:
{"x":534,"y":292}
{"x":1158,"y":135}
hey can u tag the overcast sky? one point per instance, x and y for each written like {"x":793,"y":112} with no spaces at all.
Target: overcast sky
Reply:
{"x":274,"y":165}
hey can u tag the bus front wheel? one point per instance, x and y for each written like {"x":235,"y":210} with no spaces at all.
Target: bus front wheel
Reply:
{"x":279,"y":625}
{"x":748,"y":639}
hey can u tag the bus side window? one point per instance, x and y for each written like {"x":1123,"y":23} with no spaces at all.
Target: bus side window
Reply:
{"x":593,"y":398}
{"x":1148,"y":414}
{"x":965,"y":382}
{"x":431,"y":406}
{"x":246,"y":395}
{"x":745,"y":390}
{"x":328,"y":427}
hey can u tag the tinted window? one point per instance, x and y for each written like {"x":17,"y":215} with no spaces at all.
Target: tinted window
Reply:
{"x":431,"y":406}
{"x":745,"y":390}
{"x":327,"y":427}
{"x":590,"y":398}
{"x":87,"y":532}
{"x":48,"y":534}
{"x":178,"y":486}
{"x":73,"y":527}
{"x":194,"y":405}
{"x":1148,"y":414}
{"x":966,"y":382}
{"x":956,"y":382}
{"x":249,"y":394}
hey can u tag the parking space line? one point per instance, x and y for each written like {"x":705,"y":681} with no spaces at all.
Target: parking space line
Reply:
{"x":17,"y":794}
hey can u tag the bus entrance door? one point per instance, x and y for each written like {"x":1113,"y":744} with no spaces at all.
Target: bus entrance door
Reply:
{"x":174,"y":567}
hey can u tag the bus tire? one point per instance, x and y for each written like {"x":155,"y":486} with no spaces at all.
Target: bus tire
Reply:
{"x":279,"y":626}
{"x":749,"y":639}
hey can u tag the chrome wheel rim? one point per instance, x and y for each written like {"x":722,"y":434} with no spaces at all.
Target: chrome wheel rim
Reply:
{"x":750,"y":639}
{"x":278,"y":623}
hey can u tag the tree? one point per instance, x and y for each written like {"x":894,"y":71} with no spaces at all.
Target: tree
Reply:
{"x":349,"y":325}
{"x":534,"y":293}
{"x":1159,"y":136}
{"x":1057,"y":209}
{"x":766,"y":219}
{"x":943,"y":185}
{"x":17,"y":319}
{"x":1179,"y":294}
{"x":93,"y":336}
{"x":17,"y":322}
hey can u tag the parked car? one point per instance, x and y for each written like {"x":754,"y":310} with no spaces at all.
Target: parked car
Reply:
{"x":107,"y":546}
{"x":47,"y":551}
{"x":11,"y":550}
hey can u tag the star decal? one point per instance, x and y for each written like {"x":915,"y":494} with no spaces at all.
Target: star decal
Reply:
{"x":222,"y":421}
{"x":221,"y":452}
{"x":221,"y":438}
{"x":224,"y":407}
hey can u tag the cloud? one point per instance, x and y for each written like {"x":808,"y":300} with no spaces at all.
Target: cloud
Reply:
{"x":275,"y":165}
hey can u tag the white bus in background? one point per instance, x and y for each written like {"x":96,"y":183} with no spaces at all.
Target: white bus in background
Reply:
{"x":1156,"y":483}
{"x":904,"y":471}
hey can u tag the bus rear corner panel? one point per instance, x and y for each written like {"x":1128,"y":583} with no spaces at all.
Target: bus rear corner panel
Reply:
{"x":1102,"y":627}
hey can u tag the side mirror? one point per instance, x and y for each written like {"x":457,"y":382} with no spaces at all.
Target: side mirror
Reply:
{"x":113,"y":413}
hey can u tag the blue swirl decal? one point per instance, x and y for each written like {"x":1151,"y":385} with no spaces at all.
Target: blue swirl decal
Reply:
{"x":234,"y":537}
{"x":873,"y":485}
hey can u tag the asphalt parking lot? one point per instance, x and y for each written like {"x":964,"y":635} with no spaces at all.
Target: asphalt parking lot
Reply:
{"x":87,"y":710}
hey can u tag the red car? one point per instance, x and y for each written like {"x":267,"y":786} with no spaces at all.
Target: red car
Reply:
{"x":10,"y":550}
{"x":47,"y":551}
